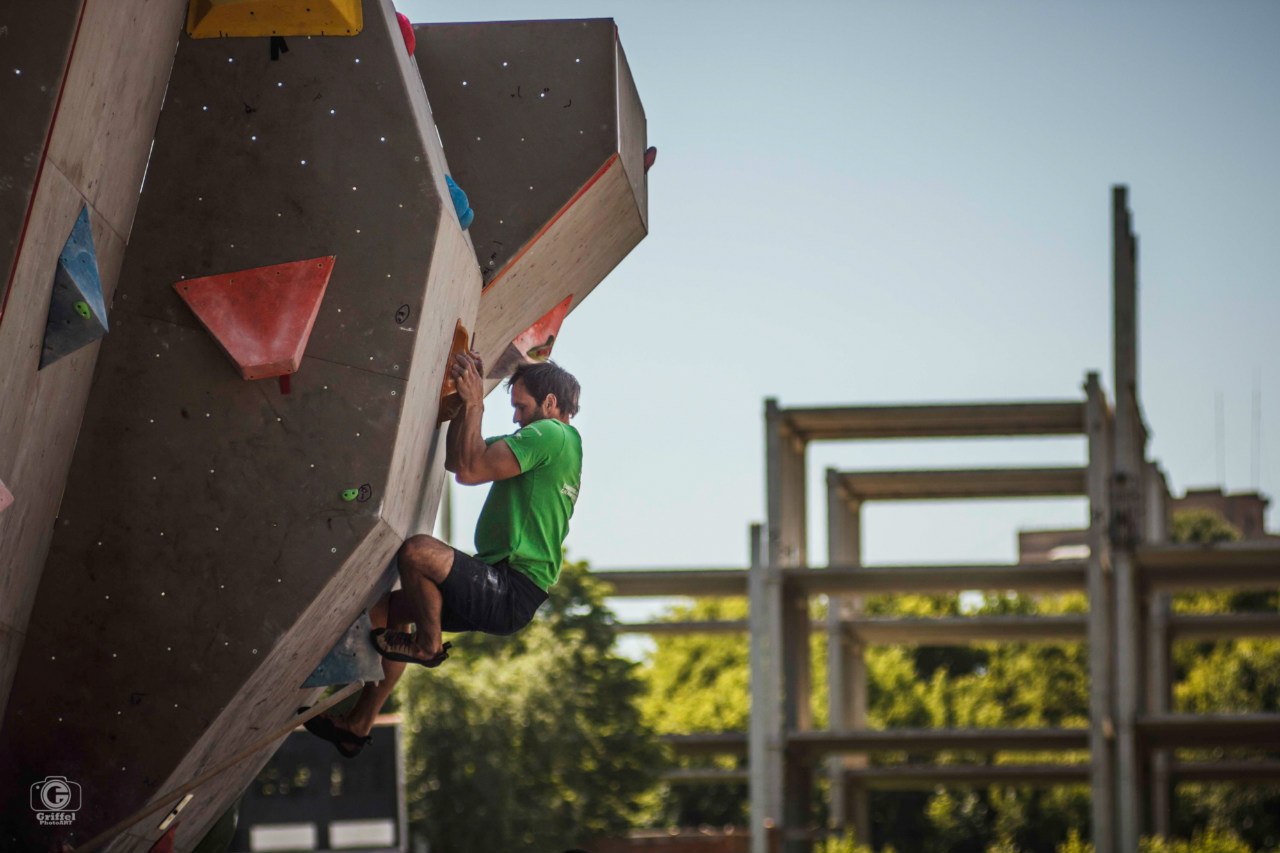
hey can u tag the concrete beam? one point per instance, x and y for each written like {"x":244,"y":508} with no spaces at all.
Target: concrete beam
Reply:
{"x":1027,"y":577}
{"x":1229,"y":566}
{"x":1210,"y":730}
{"x":911,"y":777}
{"x":891,"y":630}
{"x":1060,"y":575}
{"x":708,"y":743}
{"x":951,"y":485}
{"x":936,"y":740}
{"x":923,"y":777}
{"x":1214,"y":626}
{"x":706,"y":775}
{"x":724,"y":626}
{"x":1063,"y":417}
{"x":1244,"y":771}
{"x":946,"y":630}
{"x":635,"y":583}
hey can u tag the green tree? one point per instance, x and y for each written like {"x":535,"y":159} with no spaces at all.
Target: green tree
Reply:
{"x":700,"y":683}
{"x":533,"y":742}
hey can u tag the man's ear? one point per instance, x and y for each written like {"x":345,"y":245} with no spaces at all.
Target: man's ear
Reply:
{"x":550,"y":402}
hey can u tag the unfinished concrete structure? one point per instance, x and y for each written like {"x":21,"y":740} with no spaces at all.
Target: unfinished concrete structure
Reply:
{"x":215,"y":534}
{"x":1127,"y":575}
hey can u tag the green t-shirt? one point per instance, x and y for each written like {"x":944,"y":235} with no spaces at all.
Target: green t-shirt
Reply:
{"x":526,"y":518}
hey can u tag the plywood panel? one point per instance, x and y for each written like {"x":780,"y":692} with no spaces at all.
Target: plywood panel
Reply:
{"x":545,"y":131}
{"x":633,"y":135}
{"x":269,"y":698}
{"x":571,"y":257}
{"x":204,"y":552}
{"x":40,"y":410}
{"x":453,"y":294}
{"x":110,"y":99}
{"x":527,"y":113}
{"x":202,"y":516}
{"x":315,"y":154}
{"x":108,"y":113}
{"x":37,"y":40}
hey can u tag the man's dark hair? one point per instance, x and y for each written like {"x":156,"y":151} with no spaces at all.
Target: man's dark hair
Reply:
{"x":546,"y":377}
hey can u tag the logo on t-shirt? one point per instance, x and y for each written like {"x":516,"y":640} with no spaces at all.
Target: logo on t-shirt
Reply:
{"x":570,"y":492}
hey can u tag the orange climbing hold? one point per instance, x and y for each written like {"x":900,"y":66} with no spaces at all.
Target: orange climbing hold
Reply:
{"x":534,"y":343}
{"x":450,"y":401}
{"x":6,"y":497}
{"x":261,"y":317}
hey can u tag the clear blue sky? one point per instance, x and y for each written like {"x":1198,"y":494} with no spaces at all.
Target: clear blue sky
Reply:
{"x":874,"y":202}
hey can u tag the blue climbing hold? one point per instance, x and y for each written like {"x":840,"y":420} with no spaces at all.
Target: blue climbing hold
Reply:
{"x":77,"y":310}
{"x":353,"y":659}
{"x":460,"y":204}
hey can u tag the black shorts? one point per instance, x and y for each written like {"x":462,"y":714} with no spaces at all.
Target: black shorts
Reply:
{"x":493,"y":599}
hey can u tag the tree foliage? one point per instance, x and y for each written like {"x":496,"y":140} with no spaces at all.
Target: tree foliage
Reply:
{"x":532,"y":742}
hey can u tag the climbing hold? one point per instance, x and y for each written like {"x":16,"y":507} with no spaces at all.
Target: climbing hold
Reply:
{"x":450,"y":402}
{"x":542,"y":351}
{"x":6,"y":496}
{"x":534,"y":343}
{"x":353,"y":658}
{"x":349,"y":495}
{"x":262,"y":317}
{"x":406,"y":30}
{"x":77,"y":310}
{"x":217,"y":18}
{"x":460,"y":204}
{"x":650,"y":157}
{"x":164,"y":844}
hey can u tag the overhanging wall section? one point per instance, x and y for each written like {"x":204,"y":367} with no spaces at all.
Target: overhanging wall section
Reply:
{"x":545,"y":132}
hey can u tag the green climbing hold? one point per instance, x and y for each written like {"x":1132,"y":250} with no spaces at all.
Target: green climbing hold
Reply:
{"x":82,"y":308}
{"x":349,"y":495}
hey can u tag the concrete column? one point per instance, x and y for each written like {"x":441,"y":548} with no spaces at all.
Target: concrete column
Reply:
{"x":1126,"y":528}
{"x":785,"y":484}
{"x":764,"y":742}
{"x":846,"y":668}
{"x":1100,"y":633}
{"x":1159,"y":665}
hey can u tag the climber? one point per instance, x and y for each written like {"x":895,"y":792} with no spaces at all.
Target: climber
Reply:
{"x":535,"y":474}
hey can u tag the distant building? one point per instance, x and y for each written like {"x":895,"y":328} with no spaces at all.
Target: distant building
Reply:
{"x":1245,"y":511}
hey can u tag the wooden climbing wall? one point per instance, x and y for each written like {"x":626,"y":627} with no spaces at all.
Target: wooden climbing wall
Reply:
{"x":205,"y":551}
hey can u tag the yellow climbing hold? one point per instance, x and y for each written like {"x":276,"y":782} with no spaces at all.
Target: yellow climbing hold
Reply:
{"x":218,"y":18}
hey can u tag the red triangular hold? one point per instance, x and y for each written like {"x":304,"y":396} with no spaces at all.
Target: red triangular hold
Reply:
{"x":263,"y":316}
{"x":164,"y":844}
{"x":535,"y":342}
